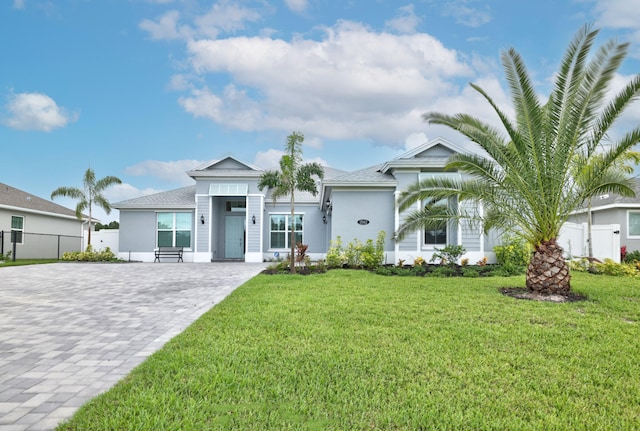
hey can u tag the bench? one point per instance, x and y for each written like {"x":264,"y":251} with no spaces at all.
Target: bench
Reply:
{"x":168,"y":252}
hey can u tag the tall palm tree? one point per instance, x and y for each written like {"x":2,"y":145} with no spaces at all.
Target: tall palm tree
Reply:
{"x":89,"y":194}
{"x":293,"y":175}
{"x":542,"y":166}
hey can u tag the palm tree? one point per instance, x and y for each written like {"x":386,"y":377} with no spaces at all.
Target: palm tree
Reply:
{"x":293,"y":175}
{"x":90,"y":194}
{"x":543,"y":168}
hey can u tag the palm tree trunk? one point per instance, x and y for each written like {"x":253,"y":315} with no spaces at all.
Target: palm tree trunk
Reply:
{"x":548,"y":272}
{"x":589,"y":229}
{"x":292,"y":257}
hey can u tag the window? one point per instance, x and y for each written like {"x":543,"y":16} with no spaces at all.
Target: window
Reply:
{"x":633,"y":222}
{"x":174,"y":229}
{"x":17,"y":229}
{"x":437,"y":237}
{"x":280,"y":230}
{"x":236,"y":206}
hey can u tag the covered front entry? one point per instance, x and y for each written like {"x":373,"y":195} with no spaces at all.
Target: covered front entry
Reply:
{"x":234,"y":237}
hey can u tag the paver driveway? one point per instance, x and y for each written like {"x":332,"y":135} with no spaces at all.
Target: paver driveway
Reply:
{"x":69,"y":331}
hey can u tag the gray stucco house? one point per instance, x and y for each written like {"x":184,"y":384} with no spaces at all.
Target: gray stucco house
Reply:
{"x":224,"y":216}
{"x":43,"y":229}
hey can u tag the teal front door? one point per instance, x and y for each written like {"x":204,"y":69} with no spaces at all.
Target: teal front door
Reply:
{"x":234,"y":237}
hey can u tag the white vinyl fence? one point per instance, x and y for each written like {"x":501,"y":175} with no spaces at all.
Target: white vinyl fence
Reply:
{"x":606,"y":241}
{"x":102,"y":239}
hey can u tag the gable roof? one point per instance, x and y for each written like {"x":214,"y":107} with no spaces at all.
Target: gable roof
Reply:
{"x":184,"y":197}
{"x":431,"y":154}
{"x":228,"y":166}
{"x":16,"y":199}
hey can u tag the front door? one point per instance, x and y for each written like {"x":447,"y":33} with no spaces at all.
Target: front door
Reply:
{"x":234,"y":237}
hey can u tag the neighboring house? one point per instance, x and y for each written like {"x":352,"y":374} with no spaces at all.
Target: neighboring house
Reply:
{"x":42,"y":229}
{"x":612,"y":209}
{"x":225,"y":217}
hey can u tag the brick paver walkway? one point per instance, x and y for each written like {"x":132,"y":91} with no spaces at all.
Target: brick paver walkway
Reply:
{"x":69,"y":331}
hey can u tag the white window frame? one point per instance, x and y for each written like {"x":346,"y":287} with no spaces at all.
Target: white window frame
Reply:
{"x":21,"y":230}
{"x":422,"y":176}
{"x":629,"y":214}
{"x":287,"y":231}
{"x":174,"y":229}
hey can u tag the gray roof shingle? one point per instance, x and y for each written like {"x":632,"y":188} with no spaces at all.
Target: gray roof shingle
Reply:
{"x":12,"y":197}
{"x":184,"y":197}
{"x":607,"y":200}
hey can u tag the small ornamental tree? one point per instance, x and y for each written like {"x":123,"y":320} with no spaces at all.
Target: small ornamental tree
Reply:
{"x":88,"y":195}
{"x":293,"y":175}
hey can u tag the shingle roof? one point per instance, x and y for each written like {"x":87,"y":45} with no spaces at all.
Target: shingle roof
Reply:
{"x":370,"y":174}
{"x":12,"y":197}
{"x":184,"y":197}
{"x":608,"y":200}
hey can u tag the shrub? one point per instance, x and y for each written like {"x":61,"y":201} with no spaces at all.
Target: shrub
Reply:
{"x":609,"y":267}
{"x":508,"y":270}
{"x":632,"y":256}
{"x":418,"y":261}
{"x":335,"y":254}
{"x":443,"y":271}
{"x":89,"y":255}
{"x":470,"y":272}
{"x":356,"y":254}
{"x":449,"y":255}
{"x":514,"y":251}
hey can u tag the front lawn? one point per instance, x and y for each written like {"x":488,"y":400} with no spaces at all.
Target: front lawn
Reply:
{"x":20,"y":262}
{"x":355,"y":350}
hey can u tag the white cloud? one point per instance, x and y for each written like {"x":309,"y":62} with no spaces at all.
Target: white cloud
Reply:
{"x":166,"y":27}
{"x":466,"y":14}
{"x":620,"y":15}
{"x":172,"y":171}
{"x":224,"y":17}
{"x":270,"y":159}
{"x":353,"y":83}
{"x":406,"y":21}
{"x":617,"y":13}
{"x":36,"y":111}
{"x":19,"y":4}
{"x":414,"y":140}
{"x":297,"y":5}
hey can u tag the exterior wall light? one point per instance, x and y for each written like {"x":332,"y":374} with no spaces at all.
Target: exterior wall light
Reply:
{"x":202,"y":218}
{"x":253,"y":219}
{"x":324,"y":219}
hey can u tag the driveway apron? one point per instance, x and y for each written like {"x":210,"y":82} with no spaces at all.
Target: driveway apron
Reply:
{"x":69,"y":331}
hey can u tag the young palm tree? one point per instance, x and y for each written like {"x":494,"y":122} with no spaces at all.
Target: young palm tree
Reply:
{"x":293,"y":175}
{"x":543,"y":166}
{"x":90,"y":194}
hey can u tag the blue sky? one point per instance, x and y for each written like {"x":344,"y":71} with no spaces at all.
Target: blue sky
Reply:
{"x":147,"y":89}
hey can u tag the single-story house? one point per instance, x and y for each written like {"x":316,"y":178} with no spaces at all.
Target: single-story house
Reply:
{"x":41,"y":228}
{"x":613,"y":209}
{"x":224,"y":216}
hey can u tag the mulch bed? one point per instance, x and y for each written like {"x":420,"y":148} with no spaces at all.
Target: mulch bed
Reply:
{"x":523,"y":293}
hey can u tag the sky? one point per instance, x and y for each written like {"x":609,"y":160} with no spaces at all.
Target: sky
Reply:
{"x":147,"y":89}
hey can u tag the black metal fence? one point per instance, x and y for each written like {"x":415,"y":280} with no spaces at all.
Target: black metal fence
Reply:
{"x":29,"y":245}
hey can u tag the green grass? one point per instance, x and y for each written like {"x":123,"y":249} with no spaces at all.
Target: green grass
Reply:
{"x":351,"y":350}
{"x":20,"y":262}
